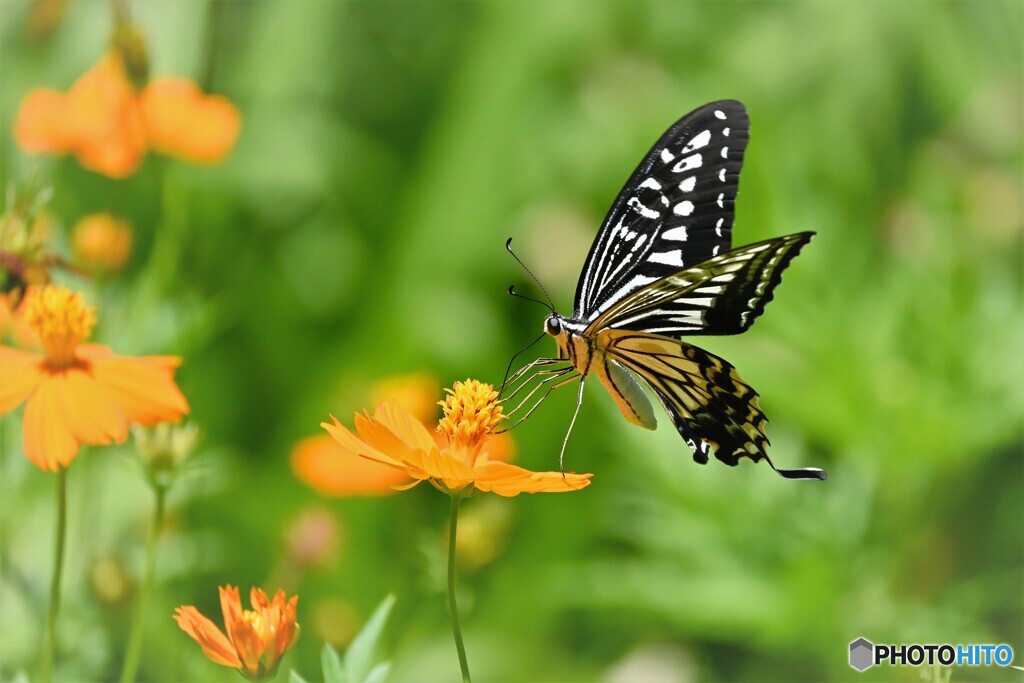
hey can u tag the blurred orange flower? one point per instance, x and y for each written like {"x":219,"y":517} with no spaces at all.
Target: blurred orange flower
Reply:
{"x":101,"y":241}
{"x":459,"y":462}
{"x":256,"y":639}
{"x":80,"y":393}
{"x":108,"y":125}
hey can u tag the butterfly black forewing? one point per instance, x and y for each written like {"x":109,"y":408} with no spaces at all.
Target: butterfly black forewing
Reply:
{"x":722,"y":295}
{"x":675,"y":211}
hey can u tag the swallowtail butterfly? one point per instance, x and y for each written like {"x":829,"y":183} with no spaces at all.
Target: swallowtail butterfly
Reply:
{"x":662,"y":267}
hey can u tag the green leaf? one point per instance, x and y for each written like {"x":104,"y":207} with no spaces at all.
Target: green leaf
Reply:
{"x":331,"y":663}
{"x":294,"y":677}
{"x":378,"y":673}
{"x":365,"y":646}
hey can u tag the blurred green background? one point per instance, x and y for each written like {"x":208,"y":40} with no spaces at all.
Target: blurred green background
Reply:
{"x":356,"y":232}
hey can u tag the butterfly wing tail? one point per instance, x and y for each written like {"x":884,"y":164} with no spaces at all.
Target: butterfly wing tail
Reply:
{"x":711,"y":407}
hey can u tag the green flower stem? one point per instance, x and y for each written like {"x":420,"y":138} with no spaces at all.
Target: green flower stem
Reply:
{"x":134,"y":649}
{"x":452,"y":607}
{"x":50,"y":641}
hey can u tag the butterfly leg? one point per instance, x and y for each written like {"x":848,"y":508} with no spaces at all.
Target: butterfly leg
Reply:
{"x":526,"y":368}
{"x":565,"y":441}
{"x":554,"y":376}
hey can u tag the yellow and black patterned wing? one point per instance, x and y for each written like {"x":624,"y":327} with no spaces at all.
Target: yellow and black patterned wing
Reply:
{"x":710,"y":406}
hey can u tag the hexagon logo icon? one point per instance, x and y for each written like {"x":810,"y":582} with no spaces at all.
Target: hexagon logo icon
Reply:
{"x":862,"y":654}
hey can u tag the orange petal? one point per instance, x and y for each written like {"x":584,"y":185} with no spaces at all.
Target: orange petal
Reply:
{"x":181,"y":121}
{"x":39,"y":125}
{"x":378,"y":436}
{"x":230,"y":604}
{"x":259,"y":600}
{"x":332,"y":470}
{"x":404,"y":425}
{"x":288,"y":630}
{"x":117,"y":156}
{"x":22,"y":373}
{"x":353,"y":444}
{"x":46,"y":435}
{"x":95,"y":103}
{"x":215,"y":644}
{"x":509,"y":480}
{"x":440,"y":466}
{"x":246,"y":643}
{"x":143,"y":388}
{"x":91,"y":416}
{"x":103,"y":120}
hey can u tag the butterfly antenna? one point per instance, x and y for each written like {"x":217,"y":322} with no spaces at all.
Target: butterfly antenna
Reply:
{"x":508,"y":248}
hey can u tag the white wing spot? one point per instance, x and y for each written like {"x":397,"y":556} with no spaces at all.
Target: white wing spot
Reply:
{"x":692,"y":161}
{"x":718,"y":227}
{"x":683,"y":208}
{"x":719,"y":114}
{"x":669,"y":258}
{"x":667,"y":156}
{"x":721,"y":175}
{"x":688,"y":184}
{"x":651,"y":183}
{"x":644,"y":211}
{"x":721,"y":196}
{"x":714,"y":252}
{"x":726,"y":132}
{"x":725,"y":152}
{"x":678,"y":234}
{"x":700,"y":140}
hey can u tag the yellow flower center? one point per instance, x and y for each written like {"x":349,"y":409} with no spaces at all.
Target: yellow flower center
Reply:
{"x":254,"y":619}
{"x":471,"y":410}
{"x":61,"y":321}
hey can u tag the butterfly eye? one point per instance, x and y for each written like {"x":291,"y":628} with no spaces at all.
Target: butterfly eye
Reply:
{"x":552,"y":326}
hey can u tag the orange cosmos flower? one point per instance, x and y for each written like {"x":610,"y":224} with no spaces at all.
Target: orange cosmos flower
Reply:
{"x":80,"y":393}
{"x":327,"y":467}
{"x":109,"y":125}
{"x":460,"y":461}
{"x":256,"y":639}
{"x":102,"y":242}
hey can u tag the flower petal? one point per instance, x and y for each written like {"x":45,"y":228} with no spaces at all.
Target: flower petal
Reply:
{"x":440,"y":466}
{"x":510,"y":480}
{"x":378,"y":436}
{"x":230,"y":605}
{"x":39,"y":126}
{"x":91,"y":416}
{"x":404,"y":425}
{"x":352,"y":443}
{"x":143,"y":388}
{"x":332,"y":470}
{"x":103,"y":119}
{"x":46,"y":434}
{"x":215,"y":644}
{"x":181,"y":121}
{"x":22,"y":373}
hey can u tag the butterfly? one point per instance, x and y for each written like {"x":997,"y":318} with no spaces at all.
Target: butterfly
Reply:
{"x":660,"y":268}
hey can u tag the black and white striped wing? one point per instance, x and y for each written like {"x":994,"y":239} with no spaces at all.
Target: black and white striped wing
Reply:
{"x":723,"y":295}
{"x":710,"y":406}
{"x":675,"y":211}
